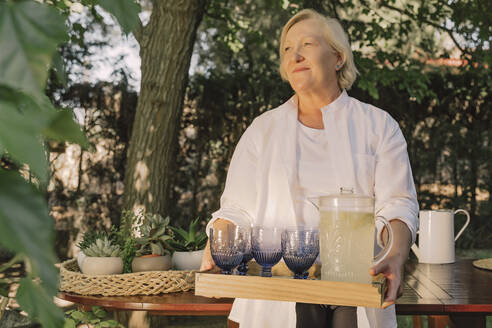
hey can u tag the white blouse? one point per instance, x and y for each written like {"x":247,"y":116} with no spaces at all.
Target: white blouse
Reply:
{"x":363,"y":149}
{"x":312,"y":156}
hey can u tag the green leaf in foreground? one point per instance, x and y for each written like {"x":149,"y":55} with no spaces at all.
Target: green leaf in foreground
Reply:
{"x":63,"y":128}
{"x":26,"y":228}
{"x":59,"y":69}
{"x":99,"y":312}
{"x":69,"y":323}
{"x":79,"y":316}
{"x":24,"y":120}
{"x":30,"y":33}
{"x":20,"y":132}
{"x":38,"y":303}
{"x":4,"y":289}
{"x":125,"y":11}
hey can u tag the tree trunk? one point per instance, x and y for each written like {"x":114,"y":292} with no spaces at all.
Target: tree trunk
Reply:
{"x":166,"y":45}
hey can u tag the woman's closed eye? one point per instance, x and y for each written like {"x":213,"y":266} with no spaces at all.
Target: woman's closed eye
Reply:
{"x":308,"y":44}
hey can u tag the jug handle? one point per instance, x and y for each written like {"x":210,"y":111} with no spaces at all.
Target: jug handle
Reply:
{"x":466,"y":223}
{"x":416,"y":250}
{"x":382,"y":255}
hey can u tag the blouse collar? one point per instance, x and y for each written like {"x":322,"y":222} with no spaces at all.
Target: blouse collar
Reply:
{"x":336,"y":104}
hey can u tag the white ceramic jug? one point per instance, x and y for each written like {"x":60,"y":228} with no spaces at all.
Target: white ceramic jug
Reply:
{"x":436,"y":236}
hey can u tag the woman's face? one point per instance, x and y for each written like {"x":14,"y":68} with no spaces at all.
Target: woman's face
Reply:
{"x":308,"y":61}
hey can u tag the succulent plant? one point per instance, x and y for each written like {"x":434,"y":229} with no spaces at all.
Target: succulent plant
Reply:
{"x":102,"y":247}
{"x":90,"y":238}
{"x":191,"y":240}
{"x":153,"y":235}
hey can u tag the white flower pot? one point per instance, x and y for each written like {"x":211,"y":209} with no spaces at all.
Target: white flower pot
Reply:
{"x":187,"y":260}
{"x":156,"y":263}
{"x":102,"y":265}
{"x":80,"y":259}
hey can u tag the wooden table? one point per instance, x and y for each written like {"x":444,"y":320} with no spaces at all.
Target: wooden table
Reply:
{"x":454,"y":293}
{"x":185,"y":303}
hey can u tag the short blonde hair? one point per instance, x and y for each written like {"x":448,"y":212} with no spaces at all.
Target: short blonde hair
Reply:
{"x":335,"y":36}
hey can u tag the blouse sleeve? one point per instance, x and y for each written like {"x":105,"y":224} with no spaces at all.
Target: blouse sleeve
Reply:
{"x":394,"y":188}
{"x":238,"y":200}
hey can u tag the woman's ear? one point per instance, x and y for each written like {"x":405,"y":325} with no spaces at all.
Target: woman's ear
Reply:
{"x":339,"y":61}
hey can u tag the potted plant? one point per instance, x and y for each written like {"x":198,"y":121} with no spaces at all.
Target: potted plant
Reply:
{"x":152,"y":252}
{"x":101,"y":255}
{"x":87,"y":239}
{"x":124,"y":235}
{"x":188,"y":247}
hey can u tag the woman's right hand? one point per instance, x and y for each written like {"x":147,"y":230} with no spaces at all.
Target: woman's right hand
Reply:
{"x":207,"y":260}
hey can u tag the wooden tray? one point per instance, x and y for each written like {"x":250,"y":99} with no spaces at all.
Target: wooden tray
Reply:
{"x":283,"y":288}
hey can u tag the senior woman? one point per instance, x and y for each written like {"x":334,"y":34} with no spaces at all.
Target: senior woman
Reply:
{"x":318,"y":141}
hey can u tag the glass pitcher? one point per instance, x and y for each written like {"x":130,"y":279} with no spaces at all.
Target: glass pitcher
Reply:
{"x":346,"y":236}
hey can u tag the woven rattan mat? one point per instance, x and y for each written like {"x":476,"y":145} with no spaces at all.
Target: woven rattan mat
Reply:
{"x":139,"y":283}
{"x":483,"y":264}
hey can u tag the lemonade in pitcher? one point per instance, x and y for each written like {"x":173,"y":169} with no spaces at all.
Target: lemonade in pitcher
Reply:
{"x":346,"y":237}
{"x":347,"y":243}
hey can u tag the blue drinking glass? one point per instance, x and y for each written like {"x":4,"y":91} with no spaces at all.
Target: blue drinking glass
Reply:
{"x":266,"y":247}
{"x":227,"y":247}
{"x":300,"y":248}
{"x":243,"y":266}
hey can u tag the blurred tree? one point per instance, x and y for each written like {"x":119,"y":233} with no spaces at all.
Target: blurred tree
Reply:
{"x":86,"y":185}
{"x":166,"y":45}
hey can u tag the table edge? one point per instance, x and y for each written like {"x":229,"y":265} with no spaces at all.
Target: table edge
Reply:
{"x":139,"y":306}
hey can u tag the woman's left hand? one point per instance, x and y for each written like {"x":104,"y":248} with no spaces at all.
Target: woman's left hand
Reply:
{"x":392,"y":267}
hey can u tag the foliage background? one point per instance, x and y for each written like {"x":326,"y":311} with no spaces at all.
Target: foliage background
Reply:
{"x":401,"y":49}
{"x":443,"y":110}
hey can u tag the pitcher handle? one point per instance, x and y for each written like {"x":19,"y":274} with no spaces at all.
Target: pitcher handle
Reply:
{"x":382,"y":255}
{"x":466,"y":223}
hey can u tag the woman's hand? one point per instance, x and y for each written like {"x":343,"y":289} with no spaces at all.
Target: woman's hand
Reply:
{"x":392,"y":267}
{"x":207,"y":260}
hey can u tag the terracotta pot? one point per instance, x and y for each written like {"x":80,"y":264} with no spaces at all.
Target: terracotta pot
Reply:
{"x":156,"y":263}
{"x":102,"y":265}
{"x":187,"y":260}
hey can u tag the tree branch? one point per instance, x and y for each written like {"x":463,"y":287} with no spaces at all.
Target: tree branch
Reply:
{"x":333,"y":5}
{"x":413,"y":16}
{"x":463,"y":50}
